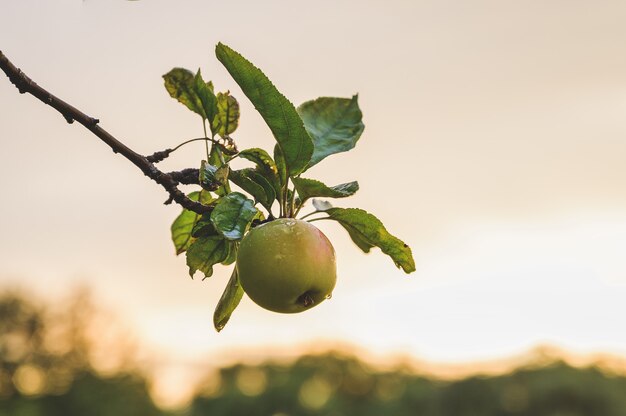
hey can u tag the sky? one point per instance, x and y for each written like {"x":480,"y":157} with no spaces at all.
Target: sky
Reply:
{"x":494,"y":142}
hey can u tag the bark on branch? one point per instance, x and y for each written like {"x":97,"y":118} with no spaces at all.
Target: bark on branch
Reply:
{"x":169,"y":181}
{"x":189,"y":176}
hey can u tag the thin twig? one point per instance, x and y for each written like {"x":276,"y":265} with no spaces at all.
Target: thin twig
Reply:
{"x":163,"y":154}
{"x":206,"y":139}
{"x":25,"y":85}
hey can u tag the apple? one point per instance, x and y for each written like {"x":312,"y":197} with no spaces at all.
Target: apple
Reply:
{"x":287,"y":265}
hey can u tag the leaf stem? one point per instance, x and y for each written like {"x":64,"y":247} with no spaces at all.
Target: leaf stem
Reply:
{"x":206,"y":139}
{"x":286,"y":199}
{"x":206,"y":143}
{"x":292,"y":208}
{"x":319,"y":219}
{"x":309,"y":214}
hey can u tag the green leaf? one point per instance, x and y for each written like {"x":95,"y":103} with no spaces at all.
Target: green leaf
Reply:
{"x":255,"y":184}
{"x":334,"y":124}
{"x":232,"y":253}
{"x":191,"y":91}
{"x":371,"y":232}
{"x":269,"y":189}
{"x":206,"y":252}
{"x":227,"y":116}
{"x":233,"y":215}
{"x":203,"y":227}
{"x":212,"y":177}
{"x":283,"y":174}
{"x":216,"y":160}
{"x":242,"y":179}
{"x":182,"y":226}
{"x":214,"y":155}
{"x":228,"y":302}
{"x":279,"y":114}
{"x":358,"y":238}
{"x":179,"y":83}
{"x":259,"y":157}
{"x":265,"y":165}
{"x":204,"y":91}
{"x":310,"y":188}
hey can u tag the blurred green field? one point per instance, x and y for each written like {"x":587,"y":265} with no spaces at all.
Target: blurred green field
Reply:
{"x":46,"y":368}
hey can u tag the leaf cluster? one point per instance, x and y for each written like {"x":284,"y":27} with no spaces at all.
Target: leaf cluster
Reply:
{"x":304,"y":136}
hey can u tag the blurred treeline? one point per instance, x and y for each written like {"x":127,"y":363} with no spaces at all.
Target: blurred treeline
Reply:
{"x":48,"y":358}
{"x":66,"y":363}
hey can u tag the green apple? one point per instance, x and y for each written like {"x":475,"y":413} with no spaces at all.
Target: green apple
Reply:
{"x":287,"y":265}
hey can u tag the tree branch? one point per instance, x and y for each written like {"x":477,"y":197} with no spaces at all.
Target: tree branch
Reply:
{"x":25,"y":85}
{"x":189,"y":176}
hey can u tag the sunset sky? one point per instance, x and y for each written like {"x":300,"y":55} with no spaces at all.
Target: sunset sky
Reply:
{"x":494,"y":146}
